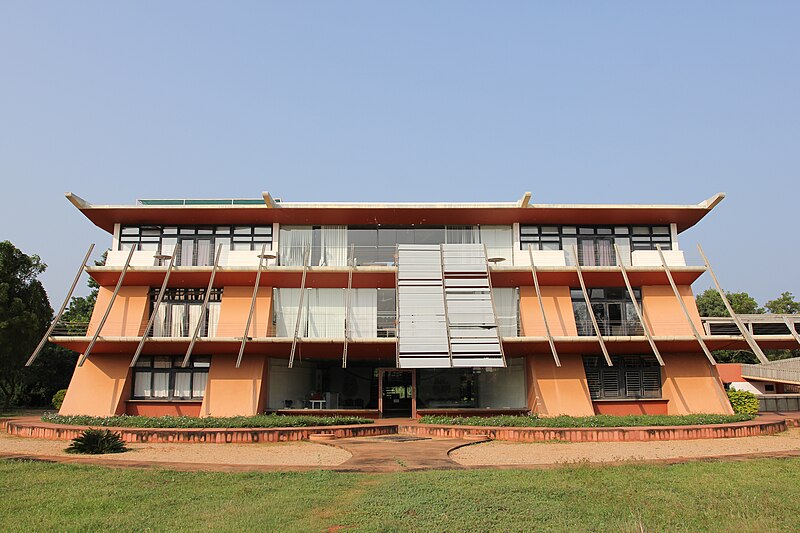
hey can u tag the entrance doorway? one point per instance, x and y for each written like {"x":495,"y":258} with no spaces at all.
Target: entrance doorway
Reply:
{"x":397,"y":393}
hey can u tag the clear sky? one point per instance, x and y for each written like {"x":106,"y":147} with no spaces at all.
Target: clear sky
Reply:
{"x":597,"y":102}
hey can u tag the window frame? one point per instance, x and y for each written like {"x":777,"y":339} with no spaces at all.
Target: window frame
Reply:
{"x":643,"y":369}
{"x":198,"y":364}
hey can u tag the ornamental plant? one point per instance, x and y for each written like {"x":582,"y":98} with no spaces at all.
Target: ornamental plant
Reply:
{"x":743,"y":402}
{"x":58,"y":398}
{"x":97,"y":441}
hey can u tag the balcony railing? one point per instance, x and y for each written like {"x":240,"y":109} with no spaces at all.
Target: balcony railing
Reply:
{"x":765,"y":324}
{"x":610,"y":328}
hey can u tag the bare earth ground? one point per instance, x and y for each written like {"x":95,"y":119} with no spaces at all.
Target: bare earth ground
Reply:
{"x":279,"y":454}
{"x":498,"y":453}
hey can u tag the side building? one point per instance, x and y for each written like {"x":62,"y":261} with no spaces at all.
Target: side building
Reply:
{"x":235,"y":307}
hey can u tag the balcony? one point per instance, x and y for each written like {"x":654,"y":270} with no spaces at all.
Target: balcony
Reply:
{"x":610,"y":328}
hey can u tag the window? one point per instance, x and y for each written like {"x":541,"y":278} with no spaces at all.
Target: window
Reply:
{"x":769,"y":387}
{"x":595,"y":244}
{"x":612,"y":308}
{"x":373,"y":245}
{"x":631,"y":377}
{"x":179,"y":312}
{"x":161,"y":377}
{"x":471,"y":388}
{"x":196,"y":245}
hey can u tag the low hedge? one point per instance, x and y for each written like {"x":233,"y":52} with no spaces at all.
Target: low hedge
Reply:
{"x":257,"y":421}
{"x":598,"y":421}
{"x":743,"y":402}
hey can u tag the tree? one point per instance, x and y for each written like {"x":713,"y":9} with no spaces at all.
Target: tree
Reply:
{"x":710,"y":303}
{"x":25,"y":314}
{"x":785,"y":304}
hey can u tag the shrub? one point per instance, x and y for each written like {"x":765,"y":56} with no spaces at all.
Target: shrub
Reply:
{"x":97,"y":441}
{"x":597,"y":421}
{"x":257,"y":421}
{"x":58,"y":398}
{"x":743,"y":402}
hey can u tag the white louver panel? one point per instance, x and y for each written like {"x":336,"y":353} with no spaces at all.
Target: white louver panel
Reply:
{"x":465,"y":335}
{"x":474,"y":339}
{"x":422,"y":330}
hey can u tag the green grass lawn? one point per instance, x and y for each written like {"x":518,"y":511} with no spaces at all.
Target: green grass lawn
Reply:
{"x":758,"y":495}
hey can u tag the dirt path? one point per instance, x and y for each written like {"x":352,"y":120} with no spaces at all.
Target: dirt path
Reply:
{"x":497,"y":453}
{"x":301,"y":454}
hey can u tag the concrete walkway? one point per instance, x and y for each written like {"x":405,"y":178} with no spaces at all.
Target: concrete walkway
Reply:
{"x":394,"y":453}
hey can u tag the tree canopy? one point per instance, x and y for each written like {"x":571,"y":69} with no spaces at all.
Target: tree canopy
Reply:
{"x":709,"y":303}
{"x":25,"y":313}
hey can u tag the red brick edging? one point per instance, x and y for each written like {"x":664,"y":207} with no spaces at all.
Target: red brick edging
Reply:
{"x":650,"y":433}
{"x":43,"y":430}
{"x":764,"y":425}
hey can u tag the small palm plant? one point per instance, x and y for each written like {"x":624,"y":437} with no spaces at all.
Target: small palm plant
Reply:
{"x":97,"y":441}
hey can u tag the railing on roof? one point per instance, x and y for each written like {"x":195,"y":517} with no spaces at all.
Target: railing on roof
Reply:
{"x":209,"y":201}
{"x":787,"y":370}
{"x":762,"y":324}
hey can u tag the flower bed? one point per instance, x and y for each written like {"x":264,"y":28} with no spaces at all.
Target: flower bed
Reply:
{"x":598,"y":421}
{"x":257,"y":421}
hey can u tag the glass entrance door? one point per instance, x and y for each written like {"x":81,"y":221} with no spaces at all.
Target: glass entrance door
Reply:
{"x":397,"y":396}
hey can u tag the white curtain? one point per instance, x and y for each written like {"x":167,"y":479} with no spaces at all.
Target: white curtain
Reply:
{"x":199,"y":384}
{"x":498,"y":241}
{"x":183,"y":387}
{"x":463,"y":235}
{"x":286,"y":302}
{"x":294,"y":241}
{"x":326,"y":313}
{"x":213,"y":318}
{"x":505,"y":304}
{"x":333,"y":241}
{"x":141,"y":385}
{"x":194,"y":319}
{"x":363,"y":319}
{"x":160,"y":322}
{"x":178,"y":313}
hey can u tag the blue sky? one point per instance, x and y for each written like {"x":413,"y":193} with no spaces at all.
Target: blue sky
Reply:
{"x":390,"y":101}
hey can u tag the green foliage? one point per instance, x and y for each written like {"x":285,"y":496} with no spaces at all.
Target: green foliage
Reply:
{"x":25,"y":313}
{"x":58,"y":398}
{"x":598,"y":421}
{"x":258,"y":421}
{"x":709,"y":303}
{"x":743,"y":402}
{"x":785,"y":304}
{"x":97,"y":441}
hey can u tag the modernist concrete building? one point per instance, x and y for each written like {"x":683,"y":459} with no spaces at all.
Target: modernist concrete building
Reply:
{"x":236,"y":307}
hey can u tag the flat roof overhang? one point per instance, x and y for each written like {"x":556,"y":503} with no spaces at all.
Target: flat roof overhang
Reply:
{"x":384,"y":277}
{"x":385,"y":348}
{"x":431,"y":214}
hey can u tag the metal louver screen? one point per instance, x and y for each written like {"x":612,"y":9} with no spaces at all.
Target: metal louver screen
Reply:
{"x":445,"y":312}
{"x":422,"y":331}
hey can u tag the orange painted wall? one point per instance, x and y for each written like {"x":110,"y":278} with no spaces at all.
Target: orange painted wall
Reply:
{"x":632,"y":407}
{"x":235,"y":391}
{"x":128,"y":316}
{"x":556,"y":390}
{"x":663,"y":313}
{"x":99,"y":387}
{"x":557,"y":306}
{"x":730,"y":372}
{"x":692,"y":385}
{"x":235,"y":308}
{"x":163,"y":408}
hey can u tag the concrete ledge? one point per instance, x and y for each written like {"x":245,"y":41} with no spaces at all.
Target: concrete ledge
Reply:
{"x":627,"y":434}
{"x":43,"y":430}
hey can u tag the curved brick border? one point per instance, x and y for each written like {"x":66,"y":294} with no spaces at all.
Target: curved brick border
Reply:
{"x":650,"y":433}
{"x":763,"y":425}
{"x":43,"y":430}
